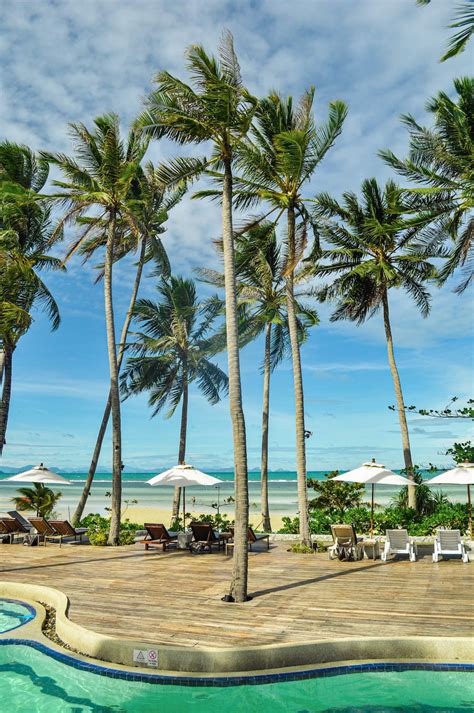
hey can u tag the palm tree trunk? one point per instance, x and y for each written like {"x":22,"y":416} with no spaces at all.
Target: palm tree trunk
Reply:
{"x":400,"y":403}
{"x":2,"y":363}
{"x":114,"y":533}
{"x":105,"y":418}
{"x":238,"y":588}
{"x":267,"y":527}
{"x":6,"y":395}
{"x":182,"y":447}
{"x":305,"y":535}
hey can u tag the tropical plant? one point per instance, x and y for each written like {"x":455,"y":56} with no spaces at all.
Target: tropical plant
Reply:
{"x":173,"y":351}
{"x":26,"y":232}
{"x":335,"y":497}
{"x":39,"y":498}
{"x":275,"y":162}
{"x":152,"y":207}
{"x":461,"y":452}
{"x":466,"y":411}
{"x":463,"y":22}
{"x":441,"y":161}
{"x":371,"y":252}
{"x":215,"y":108}
{"x":97,"y":195}
{"x":427,"y":500}
{"x":260,"y":265}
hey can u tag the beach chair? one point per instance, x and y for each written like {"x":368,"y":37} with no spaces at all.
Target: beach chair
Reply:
{"x":347,"y":546}
{"x":449,"y":542}
{"x":20,"y":520}
{"x":44,"y":531}
{"x":399,"y":543}
{"x":8,"y":530}
{"x":204,"y":537}
{"x":253,"y":537}
{"x":64,"y":529}
{"x":158,"y":536}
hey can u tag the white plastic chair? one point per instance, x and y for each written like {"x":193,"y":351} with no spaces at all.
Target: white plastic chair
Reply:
{"x":399,"y":543}
{"x":449,"y":542}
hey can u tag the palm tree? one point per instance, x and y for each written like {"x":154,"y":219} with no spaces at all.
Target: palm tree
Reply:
{"x":464,"y":23}
{"x":276,"y":162}
{"x":215,"y":108}
{"x":152,"y":206}
{"x":261,"y":286}
{"x":26,"y":232}
{"x":441,"y":162}
{"x":173,"y":352}
{"x":39,"y":498}
{"x":373,"y":251}
{"x":98,"y":185}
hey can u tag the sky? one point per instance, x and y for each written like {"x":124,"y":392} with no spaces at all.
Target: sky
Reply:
{"x":67,"y":61}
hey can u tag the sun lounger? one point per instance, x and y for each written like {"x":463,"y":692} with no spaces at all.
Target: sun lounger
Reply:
{"x":449,"y":542}
{"x":64,"y":529}
{"x":204,"y":537}
{"x":399,"y":543}
{"x":10,"y":529}
{"x":253,"y":537}
{"x":158,"y":536}
{"x":44,"y":531}
{"x":347,"y":546}
{"x":20,"y":520}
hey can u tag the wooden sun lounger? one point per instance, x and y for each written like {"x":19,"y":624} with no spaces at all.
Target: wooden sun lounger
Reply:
{"x":64,"y":529}
{"x":44,"y":531}
{"x":158,"y":536}
{"x":204,"y":535}
{"x":253,"y":537}
{"x":346,"y":543}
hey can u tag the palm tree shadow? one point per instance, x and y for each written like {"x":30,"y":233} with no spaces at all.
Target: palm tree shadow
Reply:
{"x":315,"y":580}
{"x":50,"y":687}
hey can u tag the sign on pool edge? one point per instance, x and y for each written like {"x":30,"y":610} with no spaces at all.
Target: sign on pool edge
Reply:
{"x":146,"y":657}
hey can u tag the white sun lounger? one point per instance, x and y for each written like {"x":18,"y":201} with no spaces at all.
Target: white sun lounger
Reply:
{"x":449,"y":542}
{"x":399,"y":543}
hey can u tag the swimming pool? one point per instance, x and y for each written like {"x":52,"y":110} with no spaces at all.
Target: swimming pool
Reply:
{"x":14,"y":614}
{"x":32,"y":680}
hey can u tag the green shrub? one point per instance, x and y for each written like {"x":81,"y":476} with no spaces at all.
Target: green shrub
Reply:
{"x":127,"y":537}
{"x":291,"y":526}
{"x":300,"y":549}
{"x":98,"y":537}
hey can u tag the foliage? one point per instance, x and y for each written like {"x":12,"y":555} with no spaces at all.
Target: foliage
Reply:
{"x":39,"y":498}
{"x":301,"y":549}
{"x":427,"y":499}
{"x":461,"y":452}
{"x":217,"y":521}
{"x":335,"y":497}
{"x":463,"y":22}
{"x":260,"y":266}
{"x":173,"y":348}
{"x":372,"y":249}
{"x":98,"y":530}
{"x":446,"y":514}
{"x":440,"y":160}
{"x":466,"y":411}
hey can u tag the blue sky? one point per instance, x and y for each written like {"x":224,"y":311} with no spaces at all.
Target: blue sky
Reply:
{"x":67,"y":61}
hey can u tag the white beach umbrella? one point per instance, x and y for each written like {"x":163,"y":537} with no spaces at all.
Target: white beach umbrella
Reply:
{"x":462,"y":474}
{"x":373,"y":474}
{"x":39,"y":474}
{"x":184,"y":476}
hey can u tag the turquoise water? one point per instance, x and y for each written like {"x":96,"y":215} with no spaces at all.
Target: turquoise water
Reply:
{"x":282,"y":493}
{"x":32,"y":681}
{"x":13,"y":614}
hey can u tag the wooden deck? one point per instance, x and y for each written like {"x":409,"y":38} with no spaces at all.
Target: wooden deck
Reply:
{"x":175,"y":597}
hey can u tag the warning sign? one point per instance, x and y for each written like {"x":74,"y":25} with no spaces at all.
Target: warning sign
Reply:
{"x":146,"y":657}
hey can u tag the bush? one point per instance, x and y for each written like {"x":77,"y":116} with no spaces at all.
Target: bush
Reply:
{"x":300,"y":549}
{"x":98,"y":530}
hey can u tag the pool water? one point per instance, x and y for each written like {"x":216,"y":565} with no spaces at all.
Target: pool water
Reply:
{"x":14,"y":614}
{"x":31,"y":680}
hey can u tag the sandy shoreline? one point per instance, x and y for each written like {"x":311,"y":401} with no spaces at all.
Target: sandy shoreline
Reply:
{"x":154,"y":514}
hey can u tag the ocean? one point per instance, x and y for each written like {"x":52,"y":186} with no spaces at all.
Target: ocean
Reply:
{"x":282,"y":493}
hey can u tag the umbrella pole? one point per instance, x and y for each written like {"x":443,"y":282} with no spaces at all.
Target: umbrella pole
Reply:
{"x":469,"y":509}
{"x":372,"y":513}
{"x":184,"y":509}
